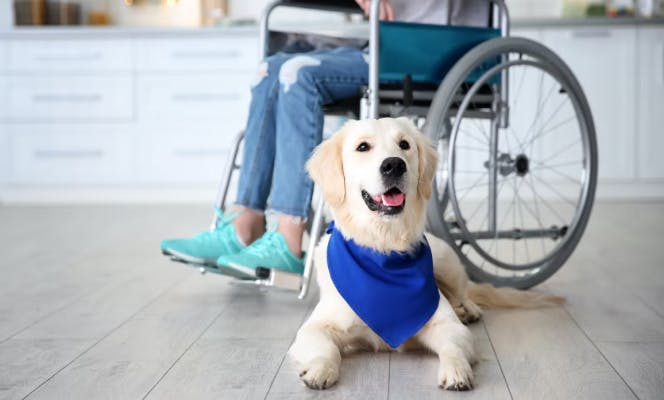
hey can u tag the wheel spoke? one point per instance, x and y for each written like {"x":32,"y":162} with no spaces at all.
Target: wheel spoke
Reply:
{"x":561,"y":151}
{"x":486,"y":216}
{"x":473,"y":185}
{"x":537,"y":112}
{"x":539,"y":221}
{"x":554,"y":170}
{"x":563,"y":220}
{"x":472,"y":148}
{"x":525,"y":242}
{"x":501,"y":223}
{"x":544,"y":133}
{"x":554,"y":190}
{"x":549,"y":119}
{"x":542,"y":165}
{"x":465,"y":132}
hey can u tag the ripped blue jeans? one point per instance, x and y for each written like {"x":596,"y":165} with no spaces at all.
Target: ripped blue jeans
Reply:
{"x":286,"y":123}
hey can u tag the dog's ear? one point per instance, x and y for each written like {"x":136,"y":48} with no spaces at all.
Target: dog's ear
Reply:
{"x":326,"y":170}
{"x":428,"y":158}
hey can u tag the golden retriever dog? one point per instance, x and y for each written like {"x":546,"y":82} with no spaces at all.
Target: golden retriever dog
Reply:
{"x":376,"y":177}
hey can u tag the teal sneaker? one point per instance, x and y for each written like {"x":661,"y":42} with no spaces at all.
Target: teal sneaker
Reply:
{"x":269,"y":251}
{"x":206,"y":247}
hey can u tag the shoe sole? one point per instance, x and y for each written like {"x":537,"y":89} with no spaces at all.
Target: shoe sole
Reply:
{"x":258,"y":272}
{"x":187,"y":259}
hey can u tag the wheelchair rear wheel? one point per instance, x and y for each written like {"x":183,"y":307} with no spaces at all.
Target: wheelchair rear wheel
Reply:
{"x":518,"y":171}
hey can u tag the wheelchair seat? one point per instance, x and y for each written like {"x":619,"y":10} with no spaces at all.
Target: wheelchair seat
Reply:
{"x":425,"y":52}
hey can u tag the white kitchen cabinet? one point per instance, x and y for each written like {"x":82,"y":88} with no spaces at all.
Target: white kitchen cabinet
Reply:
{"x":604,"y":61}
{"x":650,"y":104}
{"x":114,"y":109}
{"x":53,"y":55}
{"x":70,"y":154}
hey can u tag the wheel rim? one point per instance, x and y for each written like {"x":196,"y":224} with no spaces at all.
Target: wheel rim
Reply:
{"x":521,"y":163}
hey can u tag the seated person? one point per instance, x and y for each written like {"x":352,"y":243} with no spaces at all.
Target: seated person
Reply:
{"x":285,"y":124}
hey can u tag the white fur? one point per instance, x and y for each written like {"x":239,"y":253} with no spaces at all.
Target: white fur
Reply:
{"x":333,"y":328}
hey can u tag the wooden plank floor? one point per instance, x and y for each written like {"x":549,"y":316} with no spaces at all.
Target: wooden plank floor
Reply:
{"x":90,"y":309}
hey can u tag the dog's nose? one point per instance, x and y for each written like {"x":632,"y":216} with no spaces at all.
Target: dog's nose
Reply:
{"x":393,"y":167}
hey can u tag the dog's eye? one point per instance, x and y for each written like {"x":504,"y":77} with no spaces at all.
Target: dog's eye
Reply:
{"x":364,"y":146}
{"x":404,"y":145}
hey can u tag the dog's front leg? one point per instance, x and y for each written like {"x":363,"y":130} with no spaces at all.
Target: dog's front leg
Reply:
{"x":445,"y":335}
{"x":317,"y":355}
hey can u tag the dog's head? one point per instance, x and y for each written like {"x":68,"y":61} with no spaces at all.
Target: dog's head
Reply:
{"x":376,"y":177}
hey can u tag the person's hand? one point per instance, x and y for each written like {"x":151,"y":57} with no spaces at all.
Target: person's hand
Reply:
{"x":386,"y":11}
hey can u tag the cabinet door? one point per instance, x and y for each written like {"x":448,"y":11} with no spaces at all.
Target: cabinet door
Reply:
{"x":603,"y":60}
{"x":651,"y":103}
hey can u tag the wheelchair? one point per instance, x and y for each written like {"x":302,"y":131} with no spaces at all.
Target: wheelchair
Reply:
{"x":517,"y":170}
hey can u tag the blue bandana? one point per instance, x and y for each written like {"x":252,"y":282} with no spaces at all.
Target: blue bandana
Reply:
{"x":395,"y":294}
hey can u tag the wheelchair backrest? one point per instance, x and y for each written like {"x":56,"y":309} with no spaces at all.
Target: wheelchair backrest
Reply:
{"x":425,"y":52}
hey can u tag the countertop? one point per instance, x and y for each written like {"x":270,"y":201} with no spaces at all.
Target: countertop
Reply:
{"x":345,"y":30}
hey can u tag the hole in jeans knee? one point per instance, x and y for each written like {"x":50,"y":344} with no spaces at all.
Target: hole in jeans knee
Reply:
{"x":290,"y":69}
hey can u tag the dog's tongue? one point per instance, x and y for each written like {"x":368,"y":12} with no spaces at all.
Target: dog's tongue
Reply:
{"x":392,"y":200}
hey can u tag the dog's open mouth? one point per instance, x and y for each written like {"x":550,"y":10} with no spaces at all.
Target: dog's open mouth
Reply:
{"x":389,"y":203}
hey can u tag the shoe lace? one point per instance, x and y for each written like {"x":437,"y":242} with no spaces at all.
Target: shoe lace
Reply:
{"x":222,"y":222}
{"x":265,"y":245}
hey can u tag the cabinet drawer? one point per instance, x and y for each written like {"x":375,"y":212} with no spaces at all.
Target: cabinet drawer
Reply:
{"x":184,"y":158}
{"x":66,"y":98}
{"x":75,"y":158}
{"x":232,"y":54}
{"x":69,"y":55}
{"x":223,"y":98}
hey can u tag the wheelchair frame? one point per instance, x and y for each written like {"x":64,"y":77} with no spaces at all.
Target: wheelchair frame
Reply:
{"x":371,"y":107}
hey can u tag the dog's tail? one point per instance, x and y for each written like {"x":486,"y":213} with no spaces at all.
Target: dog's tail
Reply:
{"x":488,"y":296}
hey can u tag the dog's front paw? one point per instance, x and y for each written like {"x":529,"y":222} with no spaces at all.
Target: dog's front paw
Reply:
{"x":320,"y":373}
{"x":455,"y":374}
{"x":468,"y":312}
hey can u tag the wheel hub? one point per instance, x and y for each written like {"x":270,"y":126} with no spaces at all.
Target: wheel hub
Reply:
{"x":507,"y":165}
{"x":521,"y":164}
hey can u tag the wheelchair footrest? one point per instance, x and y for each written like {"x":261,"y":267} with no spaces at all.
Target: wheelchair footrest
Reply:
{"x":278,"y":278}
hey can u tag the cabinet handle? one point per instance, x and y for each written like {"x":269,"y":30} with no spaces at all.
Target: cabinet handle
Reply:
{"x":66,"y":98}
{"x":591,"y":33}
{"x":71,"y":154}
{"x":205,"y":54}
{"x":69,"y":57}
{"x":188,"y":153}
{"x":185,"y":97}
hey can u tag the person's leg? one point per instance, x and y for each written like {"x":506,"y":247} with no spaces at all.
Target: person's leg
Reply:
{"x":307,"y":82}
{"x":259,"y":148}
{"x":235,"y":231}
